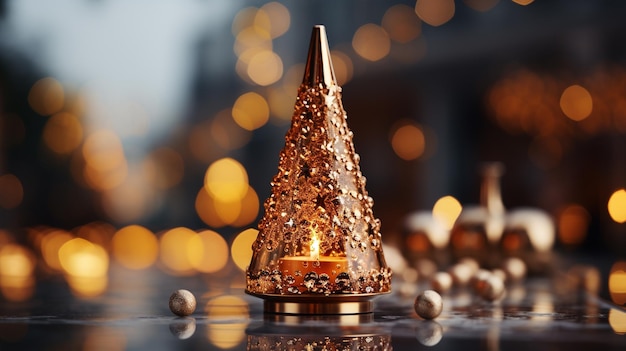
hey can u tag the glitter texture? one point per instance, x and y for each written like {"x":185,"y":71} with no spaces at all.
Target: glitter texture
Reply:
{"x":330,"y":343}
{"x":319,"y":209}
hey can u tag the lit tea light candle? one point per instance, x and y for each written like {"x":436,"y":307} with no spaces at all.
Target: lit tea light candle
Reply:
{"x":307,"y":271}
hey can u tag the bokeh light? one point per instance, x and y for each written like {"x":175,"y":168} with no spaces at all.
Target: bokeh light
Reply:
{"x":241,"y":248}
{"x":281,"y":105}
{"x":251,"y":111}
{"x":46,"y":96}
{"x":50,"y":245}
{"x":617,"y":283}
{"x":343,"y":67}
{"x":103,"y":150}
{"x":230,"y":315}
{"x":11,"y":191}
{"x":16,"y":261}
{"x":249,"y":209}
{"x":407,"y":140}
{"x":175,"y":246}
{"x":576,"y":102}
{"x":617,"y":206}
{"x":265,"y":68}
{"x":617,"y":321}
{"x":278,"y":16}
{"x":105,"y":338}
{"x":435,"y":12}
{"x":86,"y":267}
{"x":105,"y":162}
{"x":447,"y":209}
{"x":251,"y":40}
{"x":17,"y":266}
{"x":523,"y":2}
{"x":135,"y":247}
{"x":401,"y":23}
{"x":542,"y":307}
{"x":214,"y":255}
{"x":243,"y":19}
{"x":206,"y":208}
{"x":97,"y":232}
{"x":573,"y":223}
{"x":63,"y":133}
{"x":281,"y":97}
{"x":226,"y":180}
{"x":81,"y":258}
{"x":371,"y":42}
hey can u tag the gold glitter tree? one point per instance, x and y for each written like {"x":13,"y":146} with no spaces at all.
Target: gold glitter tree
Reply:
{"x":318,"y":236}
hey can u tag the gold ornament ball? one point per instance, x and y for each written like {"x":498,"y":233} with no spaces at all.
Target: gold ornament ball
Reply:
{"x":428,"y":304}
{"x":182,"y":302}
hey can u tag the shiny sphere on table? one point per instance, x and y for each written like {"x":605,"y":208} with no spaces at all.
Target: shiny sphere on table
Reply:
{"x":492,"y":288}
{"x":428,"y":304}
{"x":182,"y":302}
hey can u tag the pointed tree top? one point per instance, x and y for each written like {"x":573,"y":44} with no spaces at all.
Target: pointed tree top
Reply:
{"x":319,"y":66}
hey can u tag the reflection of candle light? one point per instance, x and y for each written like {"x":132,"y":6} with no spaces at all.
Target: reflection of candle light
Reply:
{"x":617,"y":320}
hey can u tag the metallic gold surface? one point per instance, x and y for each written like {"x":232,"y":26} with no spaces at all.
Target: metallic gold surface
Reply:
{"x":319,"y":68}
{"x":318,"y":308}
{"x":319,"y":247}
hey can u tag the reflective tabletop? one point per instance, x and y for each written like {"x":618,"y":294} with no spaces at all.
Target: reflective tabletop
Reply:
{"x":540,"y":313}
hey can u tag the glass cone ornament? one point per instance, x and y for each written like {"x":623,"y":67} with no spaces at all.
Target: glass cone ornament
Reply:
{"x":319,"y":248}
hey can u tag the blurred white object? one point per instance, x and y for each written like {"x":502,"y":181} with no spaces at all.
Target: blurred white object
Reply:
{"x":423,"y":222}
{"x":535,"y":224}
{"x":529,"y":234}
{"x":479,"y":227}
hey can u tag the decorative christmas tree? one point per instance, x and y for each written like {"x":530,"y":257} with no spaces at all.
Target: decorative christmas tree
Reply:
{"x":319,"y":242}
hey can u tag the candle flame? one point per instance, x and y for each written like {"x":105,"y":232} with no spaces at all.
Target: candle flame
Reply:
{"x":315,"y":247}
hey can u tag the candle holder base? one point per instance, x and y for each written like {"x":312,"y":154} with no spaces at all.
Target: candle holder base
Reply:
{"x":317,"y":304}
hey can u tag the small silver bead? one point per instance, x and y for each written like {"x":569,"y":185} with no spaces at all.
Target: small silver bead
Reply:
{"x":182,"y":302}
{"x":478,"y":279}
{"x":428,"y":304}
{"x":492,"y":289}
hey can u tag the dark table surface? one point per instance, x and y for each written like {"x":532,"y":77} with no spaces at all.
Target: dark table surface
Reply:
{"x":540,"y":313}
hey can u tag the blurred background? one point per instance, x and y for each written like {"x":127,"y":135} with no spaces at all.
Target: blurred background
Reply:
{"x":145,"y":133}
